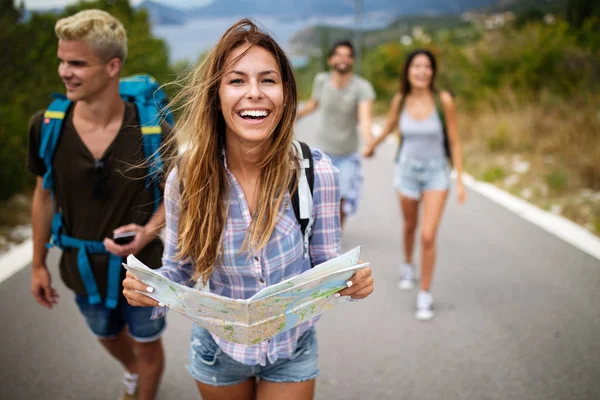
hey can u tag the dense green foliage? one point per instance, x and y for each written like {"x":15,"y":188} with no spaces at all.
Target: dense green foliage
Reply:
{"x":534,"y":59}
{"x":528,"y":55}
{"x":28,"y":66}
{"x":529,"y":85}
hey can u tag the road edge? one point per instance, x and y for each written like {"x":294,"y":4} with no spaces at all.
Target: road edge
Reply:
{"x":16,"y":259}
{"x":557,"y":225}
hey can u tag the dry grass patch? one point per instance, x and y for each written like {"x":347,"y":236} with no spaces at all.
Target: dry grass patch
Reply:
{"x":546,"y":153}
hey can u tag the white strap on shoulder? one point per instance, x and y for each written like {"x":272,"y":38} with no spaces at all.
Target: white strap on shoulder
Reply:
{"x":306,"y":201}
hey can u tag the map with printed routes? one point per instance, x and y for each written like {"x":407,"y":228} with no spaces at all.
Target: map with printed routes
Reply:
{"x":270,"y":311}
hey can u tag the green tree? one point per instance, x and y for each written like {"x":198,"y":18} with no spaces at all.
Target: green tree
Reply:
{"x":531,"y":15}
{"x":580,"y":10}
{"x":28,"y":66}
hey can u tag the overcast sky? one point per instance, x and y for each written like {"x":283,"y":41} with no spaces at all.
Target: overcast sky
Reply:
{"x":32,"y":4}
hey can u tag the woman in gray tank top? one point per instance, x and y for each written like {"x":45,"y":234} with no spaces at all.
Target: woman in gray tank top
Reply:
{"x":429,"y":141}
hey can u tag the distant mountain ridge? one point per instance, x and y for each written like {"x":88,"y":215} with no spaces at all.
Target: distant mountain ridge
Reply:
{"x":161,"y":14}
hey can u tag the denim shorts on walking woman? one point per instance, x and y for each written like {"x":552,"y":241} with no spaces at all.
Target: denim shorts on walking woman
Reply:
{"x":413,"y":176}
{"x":208,"y":363}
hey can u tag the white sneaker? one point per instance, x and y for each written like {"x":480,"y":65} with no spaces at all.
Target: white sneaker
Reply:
{"x":130,"y":387}
{"x":407,"y":277}
{"x":424,"y":306}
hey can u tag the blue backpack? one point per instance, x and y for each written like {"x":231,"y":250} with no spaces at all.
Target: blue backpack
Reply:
{"x":151,"y":103}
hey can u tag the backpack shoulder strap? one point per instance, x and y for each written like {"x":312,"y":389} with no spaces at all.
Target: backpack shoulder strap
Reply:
{"x":400,"y":108}
{"x":50,"y":133}
{"x":440,"y":110}
{"x":151,"y":143}
{"x":310,"y":171}
{"x":301,"y":194}
{"x":151,"y":103}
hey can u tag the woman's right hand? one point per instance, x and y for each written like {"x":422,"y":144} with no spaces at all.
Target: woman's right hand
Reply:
{"x":130,"y":285}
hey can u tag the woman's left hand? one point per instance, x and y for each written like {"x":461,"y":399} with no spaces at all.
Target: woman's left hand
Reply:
{"x":360,"y":285}
{"x":368,"y":150}
{"x":462,"y":194}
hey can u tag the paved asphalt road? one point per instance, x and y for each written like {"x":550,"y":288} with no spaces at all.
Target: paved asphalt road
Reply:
{"x":518,"y":317}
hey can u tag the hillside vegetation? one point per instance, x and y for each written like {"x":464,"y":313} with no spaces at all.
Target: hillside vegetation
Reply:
{"x":528,"y":97}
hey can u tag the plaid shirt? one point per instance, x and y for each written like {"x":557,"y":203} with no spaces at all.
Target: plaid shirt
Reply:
{"x":241,"y":275}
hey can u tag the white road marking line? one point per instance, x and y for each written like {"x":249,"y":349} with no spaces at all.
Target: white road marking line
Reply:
{"x":16,"y":259}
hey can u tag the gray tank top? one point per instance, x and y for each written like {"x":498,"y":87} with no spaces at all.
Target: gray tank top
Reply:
{"x":421,"y":139}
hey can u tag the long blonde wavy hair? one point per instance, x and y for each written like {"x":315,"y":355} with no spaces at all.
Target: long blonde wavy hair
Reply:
{"x":201,"y":173}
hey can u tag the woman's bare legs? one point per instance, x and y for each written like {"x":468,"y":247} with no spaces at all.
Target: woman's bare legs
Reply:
{"x":433,"y":208}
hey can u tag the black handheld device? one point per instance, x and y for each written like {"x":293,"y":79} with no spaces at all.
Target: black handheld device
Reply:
{"x":123,"y":238}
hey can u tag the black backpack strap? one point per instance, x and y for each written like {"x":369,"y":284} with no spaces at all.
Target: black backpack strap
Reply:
{"x":294,"y":195}
{"x":440,"y":109}
{"x":400,"y":107}
{"x":310,"y":172}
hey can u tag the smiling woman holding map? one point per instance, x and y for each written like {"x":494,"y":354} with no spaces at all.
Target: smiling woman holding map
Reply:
{"x":237,"y":214}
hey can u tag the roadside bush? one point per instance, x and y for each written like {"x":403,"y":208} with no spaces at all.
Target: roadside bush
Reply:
{"x":494,"y":174}
{"x":557,"y":180}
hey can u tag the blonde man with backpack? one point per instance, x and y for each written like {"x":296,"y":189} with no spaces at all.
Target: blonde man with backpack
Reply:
{"x":89,"y":202}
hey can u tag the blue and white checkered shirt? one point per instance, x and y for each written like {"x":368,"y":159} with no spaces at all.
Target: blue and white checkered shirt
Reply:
{"x":241,"y":275}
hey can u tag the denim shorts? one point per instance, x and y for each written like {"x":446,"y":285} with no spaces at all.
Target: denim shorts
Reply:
{"x":413,"y":177}
{"x":210,"y":365}
{"x":350,"y":180}
{"x":106,"y":323}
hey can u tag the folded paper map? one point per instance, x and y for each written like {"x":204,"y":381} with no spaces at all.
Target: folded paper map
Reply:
{"x":270,"y":311}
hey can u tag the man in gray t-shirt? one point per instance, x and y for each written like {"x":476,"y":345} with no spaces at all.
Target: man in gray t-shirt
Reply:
{"x":346,"y":102}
